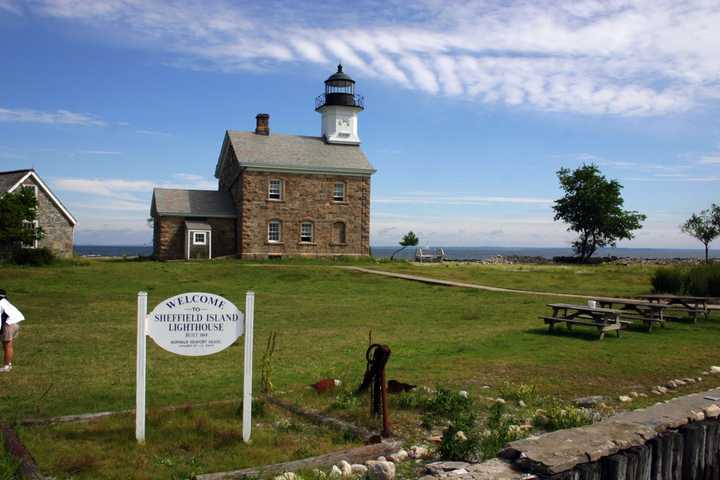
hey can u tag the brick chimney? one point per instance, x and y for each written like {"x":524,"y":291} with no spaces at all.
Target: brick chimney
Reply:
{"x":262,"y":127}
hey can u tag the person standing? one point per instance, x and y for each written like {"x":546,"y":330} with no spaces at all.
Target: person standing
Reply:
{"x":11,"y":317}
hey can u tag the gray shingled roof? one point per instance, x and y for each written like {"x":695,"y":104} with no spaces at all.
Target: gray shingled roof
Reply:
{"x":295,"y":152}
{"x":8,"y":179}
{"x":197,"y":226}
{"x":192,"y":203}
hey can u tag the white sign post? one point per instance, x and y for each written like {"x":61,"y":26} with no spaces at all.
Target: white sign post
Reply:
{"x":194,"y":324}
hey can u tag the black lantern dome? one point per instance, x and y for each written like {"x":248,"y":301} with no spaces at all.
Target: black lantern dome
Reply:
{"x":340,"y":90}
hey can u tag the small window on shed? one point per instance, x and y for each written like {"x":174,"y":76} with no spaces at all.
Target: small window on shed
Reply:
{"x":339,"y":192}
{"x":275,"y":189}
{"x":199,"y":238}
{"x":339,"y":232}
{"x":306,"y":232}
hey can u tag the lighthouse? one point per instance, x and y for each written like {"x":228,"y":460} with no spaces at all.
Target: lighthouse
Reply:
{"x":339,"y":107}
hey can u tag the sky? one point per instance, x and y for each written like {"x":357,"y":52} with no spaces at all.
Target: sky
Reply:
{"x":471,"y":107}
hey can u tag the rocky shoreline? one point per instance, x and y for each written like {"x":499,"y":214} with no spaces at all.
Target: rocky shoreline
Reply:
{"x":522,"y":259}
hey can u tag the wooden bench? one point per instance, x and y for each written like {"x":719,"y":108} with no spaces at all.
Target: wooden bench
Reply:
{"x":602,"y":328}
{"x":604,"y":319}
{"x":692,"y":306}
{"x":649,"y":313}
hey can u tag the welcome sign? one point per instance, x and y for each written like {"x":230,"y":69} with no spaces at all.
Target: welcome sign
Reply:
{"x":195,"y":324}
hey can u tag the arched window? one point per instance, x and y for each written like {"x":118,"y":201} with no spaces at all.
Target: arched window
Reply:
{"x":275,"y":231}
{"x":339,"y":232}
{"x":306,"y":232}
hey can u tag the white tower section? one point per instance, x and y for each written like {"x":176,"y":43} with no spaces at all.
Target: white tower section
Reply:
{"x":338,"y":107}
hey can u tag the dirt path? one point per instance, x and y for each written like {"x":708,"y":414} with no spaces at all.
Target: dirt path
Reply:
{"x":450,"y":283}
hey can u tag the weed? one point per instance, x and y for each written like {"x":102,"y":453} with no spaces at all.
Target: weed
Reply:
{"x":82,"y":463}
{"x":8,"y":466}
{"x":346,"y":400}
{"x":445,"y":406}
{"x":558,"y":415}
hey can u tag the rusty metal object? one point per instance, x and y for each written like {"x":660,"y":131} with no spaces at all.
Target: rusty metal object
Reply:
{"x":377,"y":357}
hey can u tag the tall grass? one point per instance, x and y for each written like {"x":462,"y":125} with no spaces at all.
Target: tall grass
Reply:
{"x":701,"y":281}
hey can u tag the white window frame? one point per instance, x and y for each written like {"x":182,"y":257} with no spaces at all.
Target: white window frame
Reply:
{"x":280,"y":193}
{"x":336,"y":197}
{"x":33,"y":187}
{"x":303,"y":236}
{"x":204,"y":238}
{"x":35,"y":225}
{"x":271,"y":223}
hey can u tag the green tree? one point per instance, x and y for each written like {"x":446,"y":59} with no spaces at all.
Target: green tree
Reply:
{"x":408,"y":240}
{"x":18,"y":211}
{"x":592,"y":207}
{"x":704,"y":226}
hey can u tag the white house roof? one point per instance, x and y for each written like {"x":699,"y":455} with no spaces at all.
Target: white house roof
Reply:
{"x":10,"y":181}
{"x":296,"y":153}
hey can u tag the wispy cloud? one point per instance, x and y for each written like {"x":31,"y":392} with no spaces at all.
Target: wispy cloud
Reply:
{"x":620,"y":57}
{"x":710,"y":160}
{"x":123,"y":194}
{"x":99,"y":152}
{"x":153,"y":132}
{"x":64,"y":117}
{"x":10,"y":6}
{"x":428,"y":198}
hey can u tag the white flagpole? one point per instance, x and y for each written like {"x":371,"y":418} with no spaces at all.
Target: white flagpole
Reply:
{"x":140,"y":368}
{"x":248,"y":365}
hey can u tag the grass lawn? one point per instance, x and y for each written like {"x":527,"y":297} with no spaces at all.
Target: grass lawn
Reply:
{"x":76,"y":350}
{"x":609,"y":280}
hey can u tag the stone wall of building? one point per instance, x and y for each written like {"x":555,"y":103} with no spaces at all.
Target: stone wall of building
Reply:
{"x":58,"y":229}
{"x":169,"y":237}
{"x":306,"y":197}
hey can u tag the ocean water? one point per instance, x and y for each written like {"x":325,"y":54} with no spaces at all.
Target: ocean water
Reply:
{"x":454,"y":253}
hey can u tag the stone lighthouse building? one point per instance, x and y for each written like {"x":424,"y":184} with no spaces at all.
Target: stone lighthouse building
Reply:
{"x":278,"y":195}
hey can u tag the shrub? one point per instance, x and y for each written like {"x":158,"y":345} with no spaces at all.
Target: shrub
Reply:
{"x":461,"y":440}
{"x":501,"y":428}
{"x":704,"y":281}
{"x":33,"y":256}
{"x":669,"y":280}
{"x":558,"y":415}
{"x":445,"y":405}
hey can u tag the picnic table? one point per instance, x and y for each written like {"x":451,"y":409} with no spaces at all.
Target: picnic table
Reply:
{"x":604,"y":319}
{"x":688,"y":304}
{"x":645,"y":311}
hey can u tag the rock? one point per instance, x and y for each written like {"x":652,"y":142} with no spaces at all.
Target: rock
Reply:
{"x":661,"y":389}
{"x":689,"y":380}
{"x":588,"y":402}
{"x":714,"y":370}
{"x":699,"y":379}
{"x":643,"y":395}
{"x":672,"y":385}
{"x":500,"y":401}
{"x":460,"y":436}
{"x":705,"y":372}
{"x":318,"y":473}
{"x":679,"y":383}
{"x":358,"y":469}
{"x":634,"y":394}
{"x":713,"y":411}
{"x":459,"y":471}
{"x":335,"y":472}
{"x":286,"y":476}
{"x":441,"y":467}
{"x":696,"y":416}
{"x":625,"y":399}
{"x":399,"y":456}
{"x":463,"y":394}
{"x":418,"y":451}
{"x":435,"y":438}
{"x":522,"y":404}
{"x":381,"y":459}
{"x":345,"y":469}
{"x":379,"y":470}
{"x":485,"y":387}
